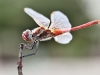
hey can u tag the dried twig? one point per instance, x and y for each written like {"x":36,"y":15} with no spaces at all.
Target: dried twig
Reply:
{"x":20,"y":60}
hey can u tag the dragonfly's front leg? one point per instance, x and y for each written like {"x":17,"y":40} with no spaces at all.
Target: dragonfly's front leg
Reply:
{"x":22,"y":46}
{"x":37,"y":44}
{"x":28,"y":46}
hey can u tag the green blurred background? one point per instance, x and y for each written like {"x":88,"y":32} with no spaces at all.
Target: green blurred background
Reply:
{"x":13,"y":21}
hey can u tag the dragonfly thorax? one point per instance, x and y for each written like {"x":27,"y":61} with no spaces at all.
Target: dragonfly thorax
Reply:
{"x":41,"y":33}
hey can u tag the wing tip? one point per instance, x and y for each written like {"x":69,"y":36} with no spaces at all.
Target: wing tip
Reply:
{"x":55,"y":12}
{"x":52,"y":12}
{"x":26,"y":8}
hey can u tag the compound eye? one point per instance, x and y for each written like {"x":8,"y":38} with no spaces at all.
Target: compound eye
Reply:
{"x":26,"y":35}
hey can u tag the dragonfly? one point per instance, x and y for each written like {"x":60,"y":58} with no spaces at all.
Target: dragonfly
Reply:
{"x":58,"y":28}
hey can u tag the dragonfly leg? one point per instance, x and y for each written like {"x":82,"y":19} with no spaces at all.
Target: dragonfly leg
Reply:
{"x":28,"y":46}
{"x":37,"y":44}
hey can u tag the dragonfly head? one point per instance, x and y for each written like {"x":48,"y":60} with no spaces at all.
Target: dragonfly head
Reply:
{"x":27,"y":35}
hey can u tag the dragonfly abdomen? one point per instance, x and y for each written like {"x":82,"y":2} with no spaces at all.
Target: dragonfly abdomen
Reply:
{"x":91,"y":23}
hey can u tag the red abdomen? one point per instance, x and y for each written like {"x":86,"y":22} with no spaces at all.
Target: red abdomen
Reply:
{"x":85,"y":25}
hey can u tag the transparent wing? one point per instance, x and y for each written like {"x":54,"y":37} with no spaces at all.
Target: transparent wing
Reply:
{"x":38,"y":18}
{"x":46,"y":39}
{"x":64,"y":38}
{"x":59,"y":21}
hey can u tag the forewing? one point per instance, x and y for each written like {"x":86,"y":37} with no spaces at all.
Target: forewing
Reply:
{"x":63,"y":38}
{"x":38,"y":18}
{"x":59,"y":21}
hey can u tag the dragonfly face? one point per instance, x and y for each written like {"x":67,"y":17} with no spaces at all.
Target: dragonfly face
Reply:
{"x":27,"y":35}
